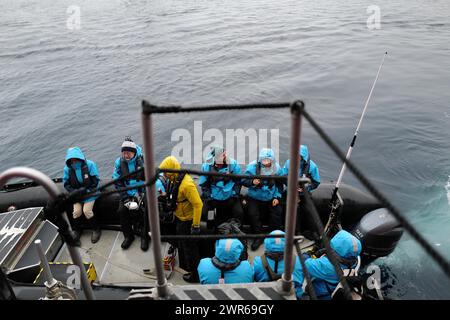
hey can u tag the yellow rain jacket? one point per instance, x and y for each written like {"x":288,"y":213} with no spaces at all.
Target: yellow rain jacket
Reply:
{"x":189,"y":203}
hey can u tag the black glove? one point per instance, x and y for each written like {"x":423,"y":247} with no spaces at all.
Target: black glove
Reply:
{"x":206,"y":194}
{"x":195,"y":230}
{"x":89,"y":190}
{"x":126,"y":199}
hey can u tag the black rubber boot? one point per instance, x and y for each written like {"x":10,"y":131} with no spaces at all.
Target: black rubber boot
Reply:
{"x":191,"y":277}
{"x":76,"y":228}
{"x":96,"y":231}
{"x":144,"y":243}
{"x":127,"y":242}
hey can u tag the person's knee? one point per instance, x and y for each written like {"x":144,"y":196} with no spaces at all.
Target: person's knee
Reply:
{"x":77,"y":210}
{"x":89,"y":213}
{"x":88,"y":210}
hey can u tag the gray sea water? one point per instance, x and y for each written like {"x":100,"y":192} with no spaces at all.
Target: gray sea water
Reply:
{"x":61,"y":85}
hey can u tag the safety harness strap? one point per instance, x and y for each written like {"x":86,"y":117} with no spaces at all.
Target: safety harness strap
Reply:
{"x":88,"y":180}
{"x":273,"y":275}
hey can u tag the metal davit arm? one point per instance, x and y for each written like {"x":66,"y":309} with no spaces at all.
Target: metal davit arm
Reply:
{"x":50,"y":187}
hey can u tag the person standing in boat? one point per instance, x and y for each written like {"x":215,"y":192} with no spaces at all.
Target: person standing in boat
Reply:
{"x":263,"y":194}
{"x":131,"y":160}
{"x":82,"y":173}
{"x":309,"y":169}
{"x":226,"y":267}
{"x":270,"y":265}
{"x":187,"y":210}
{"x":221,"y":193}
{"x":323,"y":276}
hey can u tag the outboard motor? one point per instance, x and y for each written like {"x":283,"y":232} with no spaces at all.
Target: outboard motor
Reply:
{"x":379,"y":233}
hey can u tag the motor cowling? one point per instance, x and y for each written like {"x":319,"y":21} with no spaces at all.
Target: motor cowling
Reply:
{"x":379,"y":233}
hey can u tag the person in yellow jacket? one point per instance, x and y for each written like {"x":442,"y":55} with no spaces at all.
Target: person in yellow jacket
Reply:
{"x":188,"y":210}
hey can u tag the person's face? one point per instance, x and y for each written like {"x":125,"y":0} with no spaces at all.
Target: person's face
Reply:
{"x":74,"y":161}
{"x":220,"y":158}
{"x":171,"y":176}
{"x":266,"y":163}
{"x":127,"y":155}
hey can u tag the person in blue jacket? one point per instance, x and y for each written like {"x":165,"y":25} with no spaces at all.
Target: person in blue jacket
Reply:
{"x":166,"y":207}
{"x":263,"y":194}
{"x":82,"y":173}
{"x":225,"y":266}
{"x":130,"y":161}
{"x":270,"y":266}
{"x":309,"y":168}
{"x":323,"y":276}
{"x":162,"y":185}
{"x":221,"y":193}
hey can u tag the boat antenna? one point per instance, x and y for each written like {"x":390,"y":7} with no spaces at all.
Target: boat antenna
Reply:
{"x":334,"y":203}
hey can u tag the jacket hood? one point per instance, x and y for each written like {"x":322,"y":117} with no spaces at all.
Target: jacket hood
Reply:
{"x":170,"y":162}
{"x":346,"y":245}
{"x":74,"y":153}
{"x":215,"y":151}
{"x":304,"y":152}
{"x":275,"y":244}
{"x":228,"y":250}
{"x":138,"y":152}
{"x":266,"y":153}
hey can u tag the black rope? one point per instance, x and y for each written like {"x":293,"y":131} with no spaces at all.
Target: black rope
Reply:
{"x":148,"y":108}
{"x":80,"y":194}
{"x":232,"y":175}
{"x":166,"y":238}
{"x":121,"y":178}
{"x":437,"y":257}
{"x":309,"y":285}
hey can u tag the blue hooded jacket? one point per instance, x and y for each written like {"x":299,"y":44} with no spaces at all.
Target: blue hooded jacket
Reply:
{"x":219,"y":189}
{"x":277,"y":245}
{"x":265,"y":191}
{"x":313,"y":173}
{"x":76,"y":153}
{"x":322,"y":272}
{"x":159,"y":186}
{"x":228,"y":251}
{"x":131,"y":168}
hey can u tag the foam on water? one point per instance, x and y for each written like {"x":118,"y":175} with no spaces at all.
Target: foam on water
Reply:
{"x":447,"y":188}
